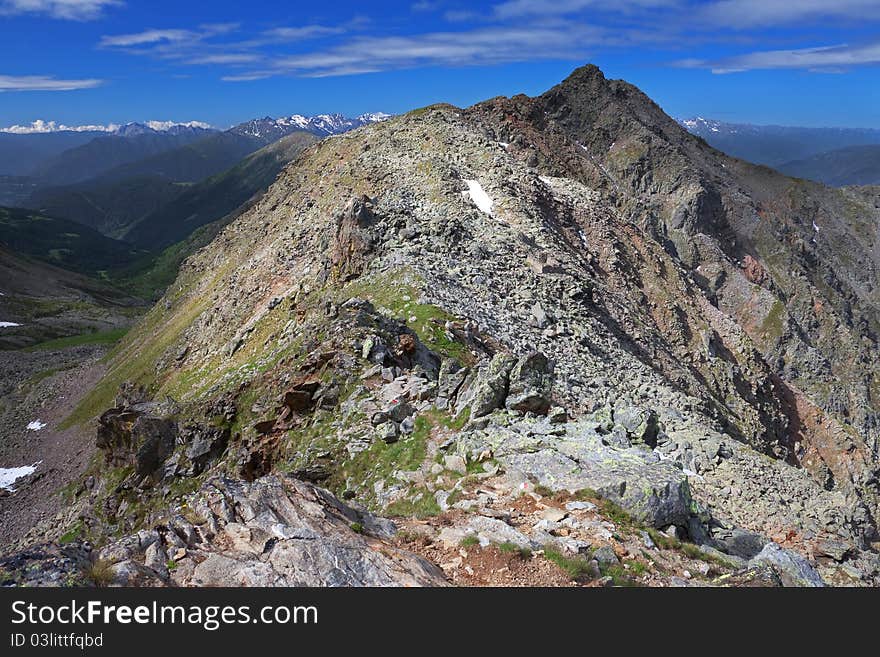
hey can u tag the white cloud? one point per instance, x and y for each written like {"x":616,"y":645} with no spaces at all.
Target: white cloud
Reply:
{"x":247,"y":77}
{"x":40,"y":126}
{"x":521,"y":8}
{"x":226,"y":58}
{"x":301,"y":33}
{"x":44,"y":83}
{"x":165,"y":125}
{"x":78,"y":10}
{"x":147,"y":37}
{"x":161,"y":40}
{"x":485,"y":46}
{"x":765,"y":13}
{"x":821,"y":58}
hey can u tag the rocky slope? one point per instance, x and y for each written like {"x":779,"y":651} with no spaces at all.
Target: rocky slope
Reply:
{"x":559,"y":329}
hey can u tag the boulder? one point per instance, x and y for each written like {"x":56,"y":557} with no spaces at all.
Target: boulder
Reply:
{"x":641,"y":424}
{"x":156,"y":438}
{"x":653,"y":491}
{"x":792,"y":568}
{"x":449,"y":383}
{"x":136,"y":435}
{"x":204,"y":445}
{"x":491,"y":386}
{"x":738,"y":542}
{"x":531,"y":380}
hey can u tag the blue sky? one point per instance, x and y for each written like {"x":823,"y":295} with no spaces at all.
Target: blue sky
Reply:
{"x":792,"y":62}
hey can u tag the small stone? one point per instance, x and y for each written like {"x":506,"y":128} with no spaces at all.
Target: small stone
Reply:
{"x":606,"y":557}
{"x":580,"y":506}
{"x":553,"y":514}
{"x":455,"y":463}
{"x":388,"y":432}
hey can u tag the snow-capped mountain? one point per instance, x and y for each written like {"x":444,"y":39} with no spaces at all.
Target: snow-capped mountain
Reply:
{"x":700,"y":126}
{"x":162,"y":127}
{"x":323,"y":125}
{"x":126,"y":130}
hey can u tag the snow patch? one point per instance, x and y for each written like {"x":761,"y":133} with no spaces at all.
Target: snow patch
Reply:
{"x":8,"y":476}
{"x":8,"y":324}
{"x":479,"y":197}
{"x":36,"y":425}
{"x":815,"y":227}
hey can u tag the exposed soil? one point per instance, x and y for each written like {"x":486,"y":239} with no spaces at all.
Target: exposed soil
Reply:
{"x":32,"y":390}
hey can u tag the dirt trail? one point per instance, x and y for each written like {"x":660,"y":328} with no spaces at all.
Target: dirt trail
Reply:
{"x":33,"y":391}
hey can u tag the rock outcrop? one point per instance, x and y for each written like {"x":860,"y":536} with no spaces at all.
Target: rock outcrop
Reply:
{"x":274,"y":531}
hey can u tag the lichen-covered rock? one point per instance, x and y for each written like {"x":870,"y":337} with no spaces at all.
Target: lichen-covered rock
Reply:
{"x":491,"y":386}
{"x":792,"y":568}
{"x":274,"y":531}
{"x":531,"y":380}
{"x":574,"y":457}
{"x":641,"y":424}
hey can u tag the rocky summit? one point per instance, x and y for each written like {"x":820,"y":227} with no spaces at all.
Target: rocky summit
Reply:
{"x":538,"y":341}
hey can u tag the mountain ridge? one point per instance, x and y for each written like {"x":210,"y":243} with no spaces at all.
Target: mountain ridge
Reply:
{"x":566,"y":297}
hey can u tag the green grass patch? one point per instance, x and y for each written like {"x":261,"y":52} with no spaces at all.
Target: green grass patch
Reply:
{"x":98,"y":337}
{"x":72,"y":534}
{"x":513,"y":548}
{"x":397,"y":293}
{"x":577,"y":568}
{"x":619,"y":575}
{"x":422,"y":505}
{"x":469,"y":541}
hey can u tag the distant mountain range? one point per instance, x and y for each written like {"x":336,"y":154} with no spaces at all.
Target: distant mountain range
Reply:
{"x":802,"y":152}
{"x":853,"y":165}
{"x":152,"y":185}
{"x":323,"y":125}
{"x":125,"y":129}
{"x":105,"y":153}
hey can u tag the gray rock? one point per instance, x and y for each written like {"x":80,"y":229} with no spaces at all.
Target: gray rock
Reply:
{"x":531,"y":380}
{"x":656,"y":493}
{"x":400,"y":411}
{"x":617,"y":438}
{"x":835,"y":549}
{"x":492,"y":530}
{"x":641,"y":424}
{"x":455,"y":463}
{"x":539,"y":317}
{"x":388,"y":432}
{"x":792,"y":568}
{"x":490,"y":388}
{"x":738,"y":542}
{"x":157,"y":438}
{"x":278,"y":531}
{"x":449,"y":382}
{"x":605,"y":557}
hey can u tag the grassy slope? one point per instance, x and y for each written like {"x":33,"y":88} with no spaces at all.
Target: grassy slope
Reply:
{"x":62,"y":242}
